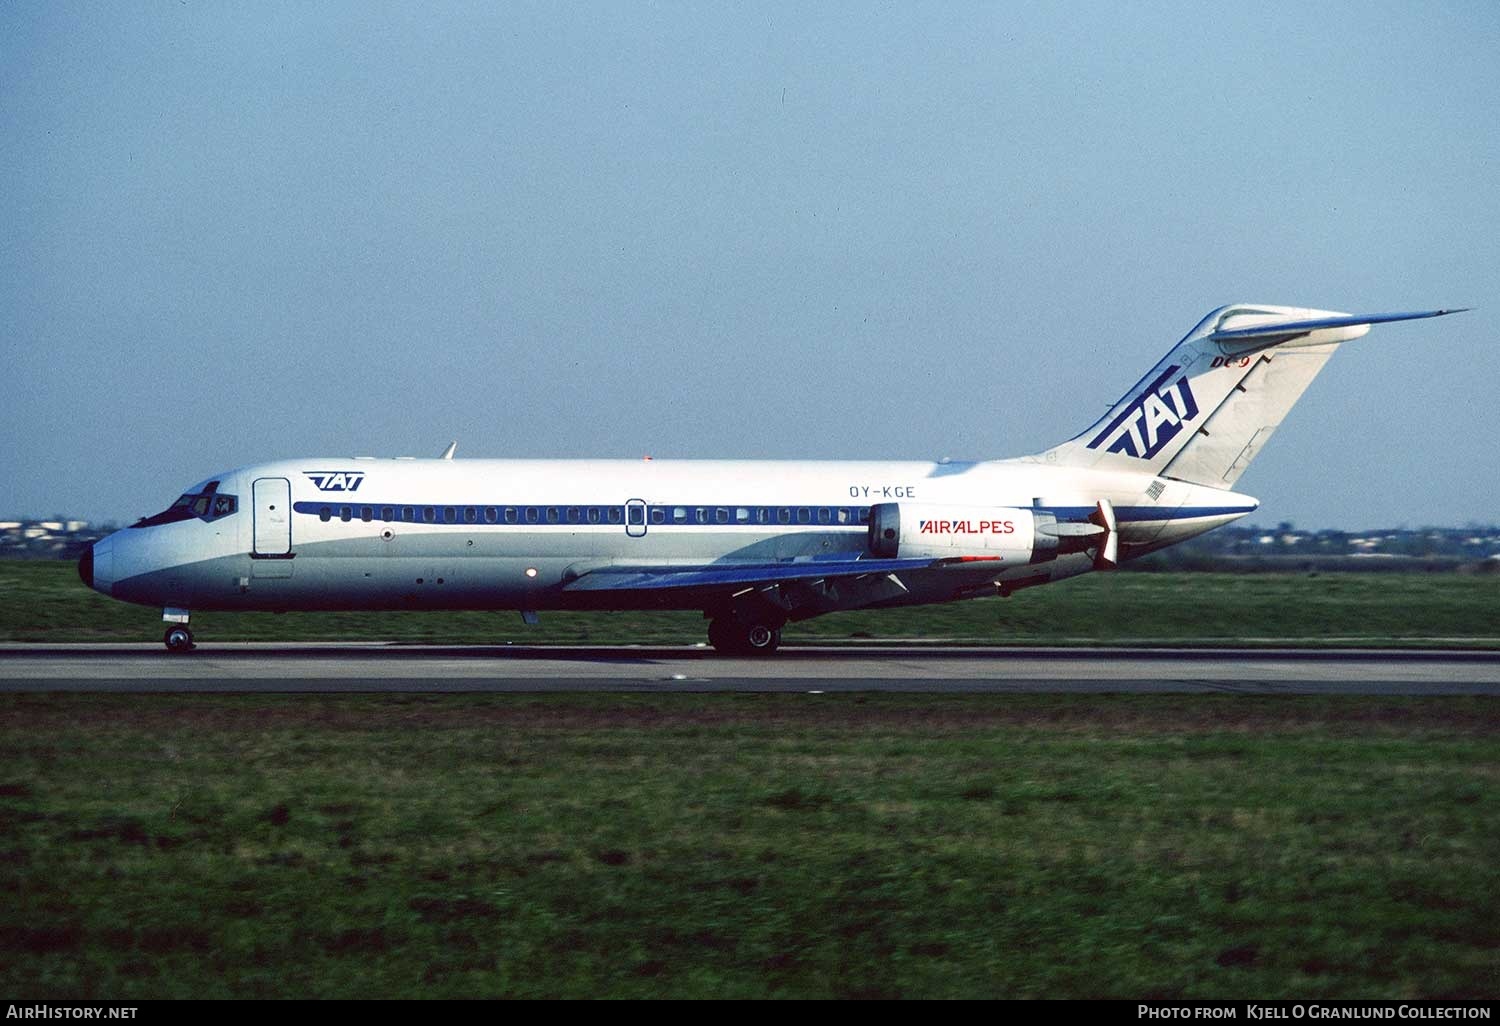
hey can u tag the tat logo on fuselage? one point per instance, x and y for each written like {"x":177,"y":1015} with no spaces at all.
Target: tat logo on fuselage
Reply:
{"x":335,"y":480}
{"x":1152,"y":420}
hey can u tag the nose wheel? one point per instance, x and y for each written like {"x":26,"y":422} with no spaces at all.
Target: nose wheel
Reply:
{"x":178,"y":639}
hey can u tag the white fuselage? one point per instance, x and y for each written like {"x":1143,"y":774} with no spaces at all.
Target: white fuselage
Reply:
{"x":340,"y":533}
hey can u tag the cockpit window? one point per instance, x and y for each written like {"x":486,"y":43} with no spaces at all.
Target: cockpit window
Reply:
{"x":207,"y":505}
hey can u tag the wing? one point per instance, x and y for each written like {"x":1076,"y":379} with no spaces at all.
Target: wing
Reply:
{"x":712,"y":575}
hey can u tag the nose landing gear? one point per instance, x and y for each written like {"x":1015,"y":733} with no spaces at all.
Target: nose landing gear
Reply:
{"x":178,"y":638}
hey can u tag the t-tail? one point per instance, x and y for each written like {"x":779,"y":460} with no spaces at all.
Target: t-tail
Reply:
{"x":1208,"y":408}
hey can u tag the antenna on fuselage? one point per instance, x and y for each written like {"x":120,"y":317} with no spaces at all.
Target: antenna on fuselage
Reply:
{"x":448,"y":452}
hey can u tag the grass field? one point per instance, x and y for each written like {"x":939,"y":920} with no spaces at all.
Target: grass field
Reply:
{"x":763,"y":845}
{"x":746,"y":846}
{"x":45,"y":601}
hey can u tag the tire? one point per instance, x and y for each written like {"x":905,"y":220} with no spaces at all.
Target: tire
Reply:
{"x":761,"y":638}
{"x":178,"y":639}
{"x":730,"y":636}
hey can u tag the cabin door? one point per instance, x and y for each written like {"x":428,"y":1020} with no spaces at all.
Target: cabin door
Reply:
{"x":273,"y":518}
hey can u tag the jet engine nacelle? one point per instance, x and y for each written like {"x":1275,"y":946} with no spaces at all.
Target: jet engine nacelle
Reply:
{"x":1007,"y":534}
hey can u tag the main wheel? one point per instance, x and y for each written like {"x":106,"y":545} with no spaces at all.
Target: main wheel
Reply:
{"x":760,"y":637}
{"x":754,"y":636}
{"x":178,"y":639}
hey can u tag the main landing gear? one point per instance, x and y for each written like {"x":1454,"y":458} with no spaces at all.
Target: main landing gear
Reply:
{"x":743,"y":632}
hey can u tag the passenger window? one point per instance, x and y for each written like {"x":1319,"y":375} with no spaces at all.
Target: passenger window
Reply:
{"x":554,"y":514}
{"x":593,"y":514}
{"x":636,"y":515}
{"x":784,"y":515}
{"x":366,"y":513}
{"x":658,"y":515}
{"x":741,"y":515}
{"x":325,"y":514}
{"x":491,"y":514}
{"x":804,"y":515}
{"x":471,"y":515}
{"x":721,"y":515}
{"x":429,"y":515}
{"x":532,"y":514}
{"x":679,"y":514}
{"x":510,"y":514}
{"x":387,"y":513}
{"x":346,"y":514}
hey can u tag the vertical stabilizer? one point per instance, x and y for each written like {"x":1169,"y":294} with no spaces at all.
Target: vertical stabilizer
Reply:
{"x":1209,"y":406}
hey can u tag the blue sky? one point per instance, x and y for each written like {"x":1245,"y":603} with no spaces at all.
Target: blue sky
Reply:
{"x":235,"y":232}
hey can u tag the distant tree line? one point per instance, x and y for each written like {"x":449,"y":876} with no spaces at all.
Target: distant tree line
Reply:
{"x":57,"y":537}
{"x":1473,"y":548}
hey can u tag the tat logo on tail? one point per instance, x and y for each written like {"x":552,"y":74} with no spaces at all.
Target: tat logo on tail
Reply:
{"x":1151,"y":420}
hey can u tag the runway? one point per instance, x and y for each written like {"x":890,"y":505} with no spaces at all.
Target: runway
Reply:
{"x":378,"y":667}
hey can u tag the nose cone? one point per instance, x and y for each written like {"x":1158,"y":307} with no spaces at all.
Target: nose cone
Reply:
{"x":97,"y":564}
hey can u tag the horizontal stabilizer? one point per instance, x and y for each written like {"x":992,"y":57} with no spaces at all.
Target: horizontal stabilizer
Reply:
{"x":1291,"y":329}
